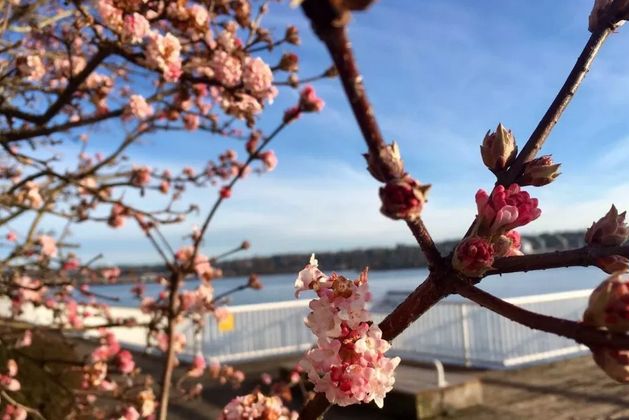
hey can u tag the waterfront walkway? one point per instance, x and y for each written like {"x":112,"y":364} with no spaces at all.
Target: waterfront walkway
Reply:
{"x":568,"y":390}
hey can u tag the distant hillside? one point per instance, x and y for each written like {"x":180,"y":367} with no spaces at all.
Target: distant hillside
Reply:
{"x":401,"y":256}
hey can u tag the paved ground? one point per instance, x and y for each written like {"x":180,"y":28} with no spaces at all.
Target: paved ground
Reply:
{"x":574,"y":389}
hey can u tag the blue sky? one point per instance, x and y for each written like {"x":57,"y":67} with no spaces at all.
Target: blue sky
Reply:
{"x":440,"y":74}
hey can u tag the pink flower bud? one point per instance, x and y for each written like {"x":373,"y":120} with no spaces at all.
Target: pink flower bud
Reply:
{"x":498,"y":149}
{"x":387,"y":165}
{"x":473,"y":256}
{"x":539,"y":172}
{"x":615,"y":363}
{"x":403,"y":198}
{"x":309,"y":101}
{"x":610,"y":230}
{"x":608,"y":306}
{"x":505,"y":209}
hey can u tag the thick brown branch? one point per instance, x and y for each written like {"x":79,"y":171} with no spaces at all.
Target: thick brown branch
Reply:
{"x":559,"y":104}
{"x":584,"y":257}
{"x":425,"y":296}
{"x":577,"y":331}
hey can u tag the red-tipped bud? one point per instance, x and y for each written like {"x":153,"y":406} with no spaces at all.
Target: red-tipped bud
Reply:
{"x":473,"y":256}
{"x":540,"y":171}
{"x":610,"y":230}
{"x":292,"y":35}
{"x":498,"y":149}
{"x":289,"y":62}
{"x":403,"y":198}
{"x":254,"y":282}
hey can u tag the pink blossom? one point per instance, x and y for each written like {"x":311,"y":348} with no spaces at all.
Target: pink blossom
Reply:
{"x":31,"y":67}
{"x":310,"y":277}
{"x":32,"y":195}
{"x":139,"y":107}
{"x":130,"y":413}
{"x":164,"y":53}
{"x":111,"y":273}
{"x":110,"y":14}
{"x":191,"y":122}
{"x":13,"y":412}
{"x":256,"y":406}
{"x":258,"y":79}
{"x":140,"y":176}
{"x":198,"y":366}
{"x":71,"y":264}
{"x":124,"y":361}
{"x":11,"y":236}
{"x":266,"y":378}
{"x":269,"y":159}
{"x":348,"y":363}
{"x":309,"y":101}
{"x":227,"y":68}
{"x":506,"y":208}
{"x":8,"y":381}
{"x":26,"y":340}
{"x":473,"y":256}
{"x":135,"y":28}
{"x":179,"y":342}
{"x":48,"y":246}
{"x":117,"y":216}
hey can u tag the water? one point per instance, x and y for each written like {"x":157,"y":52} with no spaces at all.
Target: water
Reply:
{"x":279,"y":287}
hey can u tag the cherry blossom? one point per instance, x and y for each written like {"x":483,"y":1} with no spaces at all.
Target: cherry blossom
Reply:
{"x":348,"y":363}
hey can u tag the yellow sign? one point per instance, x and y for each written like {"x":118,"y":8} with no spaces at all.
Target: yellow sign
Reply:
{"x":226,"y":324}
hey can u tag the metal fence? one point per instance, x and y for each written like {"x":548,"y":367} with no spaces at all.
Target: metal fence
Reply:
{"x":454,"y":332}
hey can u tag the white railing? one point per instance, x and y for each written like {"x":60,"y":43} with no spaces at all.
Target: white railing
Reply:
{"x":454,"y":332}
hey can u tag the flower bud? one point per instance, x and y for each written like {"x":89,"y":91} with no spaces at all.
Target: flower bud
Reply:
{"x":289,"y":62}
{"x":473,"y":256}
{"x":309,"y":101}
{"x":403,"y":198}
{"x":608,"y":306}
{"x":610,"y":230}
{"x":615,"y":363}
{"x":613,"y":264}
{"x":388,"y":165}
{"x":292,"y":35}
{"x":540,"y":171}
{"x":498,"y":149}
{"x":508,"y":245}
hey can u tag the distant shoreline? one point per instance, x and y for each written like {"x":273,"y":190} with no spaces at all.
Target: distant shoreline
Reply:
{"x":382,"y":259}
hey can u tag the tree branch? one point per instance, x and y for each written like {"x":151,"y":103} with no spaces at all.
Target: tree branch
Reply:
{"x":557,"y":107}
{"x":584,"y":257}
{"x":590,"y":336}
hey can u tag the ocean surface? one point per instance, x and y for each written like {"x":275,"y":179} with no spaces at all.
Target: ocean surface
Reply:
{"x":279,"y":287}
